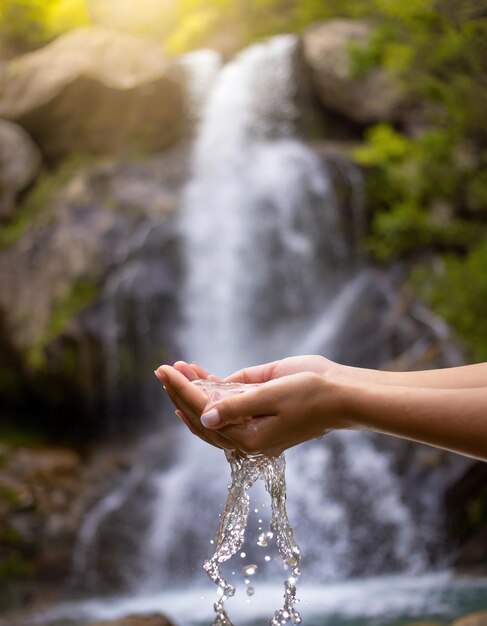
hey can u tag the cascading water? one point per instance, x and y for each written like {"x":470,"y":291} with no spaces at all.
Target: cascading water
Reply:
{"x":269,"y":271}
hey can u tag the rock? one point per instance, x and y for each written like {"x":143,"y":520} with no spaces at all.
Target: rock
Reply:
{"x":20,"y":162}
{"x":138,"y":620}
{"x":45,"y":494}
{"x":479,"y":618}
{"x":150,"y":18}
{"x":93,"y":90}
{"x":94,"y":265}
{"x":376,"y":96}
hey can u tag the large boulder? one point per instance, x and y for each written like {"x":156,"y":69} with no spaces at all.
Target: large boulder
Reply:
{"x":372,"y":97}
{"x":20,"y":161}
{"x":93,"y":90}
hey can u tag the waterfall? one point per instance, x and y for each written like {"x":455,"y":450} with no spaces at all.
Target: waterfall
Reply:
{"x":270,"y":271}
{"x":260,"y":223}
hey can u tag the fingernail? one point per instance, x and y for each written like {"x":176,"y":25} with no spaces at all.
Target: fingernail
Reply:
{"x":160,"y":375}
{"x":211,"y":418}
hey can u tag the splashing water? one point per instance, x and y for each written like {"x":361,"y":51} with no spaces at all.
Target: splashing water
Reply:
{"x":245,"y":471}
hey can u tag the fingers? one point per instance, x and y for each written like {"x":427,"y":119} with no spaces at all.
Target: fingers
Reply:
{"x":192,"y":395}
{"x":240,"y":409}
{"x":260,"y":435}
{"x":190,"y":401}
{"x":255,"y":374}
{"x":193,"y":371}
{"x":184,"y":418}
{"x":186,"y":370}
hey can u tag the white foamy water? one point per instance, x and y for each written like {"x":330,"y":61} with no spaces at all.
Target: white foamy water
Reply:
{"x":376,"y":599}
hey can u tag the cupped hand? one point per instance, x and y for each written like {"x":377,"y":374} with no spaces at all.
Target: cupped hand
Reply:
{"x":284,"y":367}
{"x":189,"y":400}
{"x":299,"y":401}
{"x":279,"y":414}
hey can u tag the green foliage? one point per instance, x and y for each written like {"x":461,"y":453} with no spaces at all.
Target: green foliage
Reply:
{"x":14,"y":568}
{"x":9,"y":496}
{"x":457,"y":289}
{"x":10,"y":536}
{"x":30,"y":23}
{"x":411,"y":180}
{"x":81,"y":294}
{"x":15,"y":435}
{"x":430,"y":191}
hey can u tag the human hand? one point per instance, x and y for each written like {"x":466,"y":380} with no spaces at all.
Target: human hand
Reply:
{"x":279,"y":414}
{"x":269,"y":419}
{"x":189,"y":400}
{"x":285,"y":367}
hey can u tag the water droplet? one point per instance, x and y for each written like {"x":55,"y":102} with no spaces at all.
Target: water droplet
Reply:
{"x":250,"y":591}
{"x":256,"y":510}
{"x":249,"y":570}
{"x":211,"y":541}
{"x":264,"y":538}
{"x":242,"y":555}
{"x":267,"y":557}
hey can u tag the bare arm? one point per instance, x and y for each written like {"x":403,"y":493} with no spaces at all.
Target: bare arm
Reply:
{"x":293,"y":407}
{"x":467,"y":376}
{"x":464,"y":377}
{"x":453,"y":419}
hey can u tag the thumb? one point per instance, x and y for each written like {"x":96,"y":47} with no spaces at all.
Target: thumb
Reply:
{"x":237,"y":409}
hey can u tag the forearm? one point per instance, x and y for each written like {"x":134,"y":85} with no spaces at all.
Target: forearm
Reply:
{"x":467,"y":376}
{"x":453,"y":419}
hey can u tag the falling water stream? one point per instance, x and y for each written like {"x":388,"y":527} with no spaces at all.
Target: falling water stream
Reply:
{"x":246,"y":470}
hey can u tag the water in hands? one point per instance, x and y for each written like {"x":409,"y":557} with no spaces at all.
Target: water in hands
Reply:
{"x":245,"y":471}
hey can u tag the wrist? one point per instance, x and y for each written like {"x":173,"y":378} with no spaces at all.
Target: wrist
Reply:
{"x":336,"y":408}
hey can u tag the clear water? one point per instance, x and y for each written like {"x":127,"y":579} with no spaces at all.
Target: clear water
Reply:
{"x":245,"y":471}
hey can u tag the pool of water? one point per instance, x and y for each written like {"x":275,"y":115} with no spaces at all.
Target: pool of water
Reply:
{"x":391,"y":601}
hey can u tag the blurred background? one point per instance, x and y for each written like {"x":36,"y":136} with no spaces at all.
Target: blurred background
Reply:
{"x":233,"y":182}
